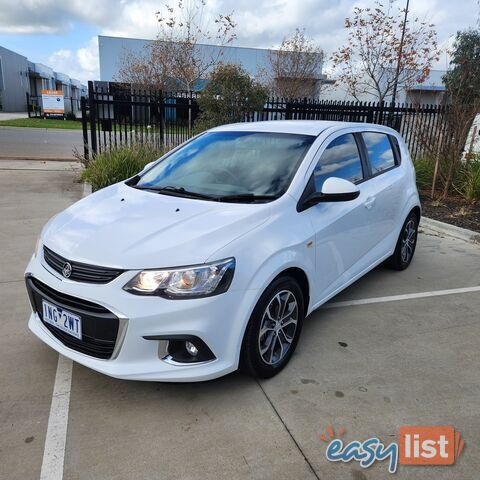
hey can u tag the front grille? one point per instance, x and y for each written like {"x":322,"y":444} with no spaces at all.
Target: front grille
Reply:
{"x":99,"y":325}
{"x":81,"y":272}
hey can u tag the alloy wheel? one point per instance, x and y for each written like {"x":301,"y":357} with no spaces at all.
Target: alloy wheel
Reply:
{"x":408,"y":240}
{"x":278,"y":327}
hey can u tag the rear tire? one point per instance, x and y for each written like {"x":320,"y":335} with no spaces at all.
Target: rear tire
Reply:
{"x":274,"y":328}
{"x":406,"y":243}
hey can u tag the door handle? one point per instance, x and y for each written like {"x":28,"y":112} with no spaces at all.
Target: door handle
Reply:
{"x":369,"y":202}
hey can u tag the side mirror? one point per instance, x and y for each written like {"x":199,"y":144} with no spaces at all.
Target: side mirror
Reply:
{"x":334,"y":189}
{"x":147,"y":166}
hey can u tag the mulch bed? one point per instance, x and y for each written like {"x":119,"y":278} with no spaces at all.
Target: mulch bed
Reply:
{"x":453,"y":210}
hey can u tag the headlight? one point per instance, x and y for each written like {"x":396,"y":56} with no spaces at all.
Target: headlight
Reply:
{"x":185,"y":282}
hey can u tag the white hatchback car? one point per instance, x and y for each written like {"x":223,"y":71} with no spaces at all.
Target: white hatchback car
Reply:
{"x":212,"y":256}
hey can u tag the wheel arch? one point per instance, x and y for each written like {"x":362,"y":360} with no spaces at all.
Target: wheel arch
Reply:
{"x":412,"y":205}
{"x":417,"y":211}
{"x":301,"y":278}
{"x":299,"y":274}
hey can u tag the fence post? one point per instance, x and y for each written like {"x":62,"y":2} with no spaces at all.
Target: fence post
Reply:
{"x":162,"y":119}
{"x":380,"y":113}
{"x":288,"y":110}
{"x":28,"y":104}
{"x":93,"y":115}
{"x":83,"y":106}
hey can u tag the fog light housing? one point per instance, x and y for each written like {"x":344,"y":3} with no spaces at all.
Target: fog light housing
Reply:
{"x":191,"y":349}
{"x":184,"y":349}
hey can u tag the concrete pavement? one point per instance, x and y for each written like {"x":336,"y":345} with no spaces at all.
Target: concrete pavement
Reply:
{"x":12,"y":115}
{"x":27,"y":200}
{"x":369,"y":368}
{"x":44,"y":143}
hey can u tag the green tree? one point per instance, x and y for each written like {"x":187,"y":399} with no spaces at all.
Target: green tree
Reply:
{"x":229,"y":96}
{"x":463,"y":80}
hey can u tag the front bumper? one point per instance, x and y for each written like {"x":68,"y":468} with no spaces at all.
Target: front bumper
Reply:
{"x":219,"y":321}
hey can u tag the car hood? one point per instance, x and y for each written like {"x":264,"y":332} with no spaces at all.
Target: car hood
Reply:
{"x":126,"y":228}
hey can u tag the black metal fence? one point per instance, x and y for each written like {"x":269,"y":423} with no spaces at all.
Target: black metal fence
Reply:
{"x":418,"y":124}
{"x":121,"y":114}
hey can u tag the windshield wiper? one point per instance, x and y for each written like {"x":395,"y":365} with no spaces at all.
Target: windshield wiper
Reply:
{"x":246,"y":197}
{"x":182,"y":192}
{"x":172,"y":190}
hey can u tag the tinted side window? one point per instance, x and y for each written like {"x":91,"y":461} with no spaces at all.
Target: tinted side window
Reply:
{"x":379,"y":150}
{"x":340,"y":159}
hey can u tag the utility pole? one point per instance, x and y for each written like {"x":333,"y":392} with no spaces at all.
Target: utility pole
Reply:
{"x":400,"y":53}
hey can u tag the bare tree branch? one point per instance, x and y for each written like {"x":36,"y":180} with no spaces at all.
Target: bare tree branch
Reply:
{"x":366,"y":64}
{"x":174,"y":60}
{"x":295,"y":67}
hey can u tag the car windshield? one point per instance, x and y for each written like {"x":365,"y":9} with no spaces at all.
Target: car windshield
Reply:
{"x":230,"y":166}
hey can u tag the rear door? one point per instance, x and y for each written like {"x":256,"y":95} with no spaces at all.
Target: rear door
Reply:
{"x":387,"y":185}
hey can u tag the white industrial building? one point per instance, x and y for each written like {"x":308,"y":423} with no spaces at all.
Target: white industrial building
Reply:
{"x":430,"y":92}
{"x":19,"y":77}
{"x":112,"y":51}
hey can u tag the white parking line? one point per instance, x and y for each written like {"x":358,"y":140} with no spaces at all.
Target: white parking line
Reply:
{"x":407,"y":296}
{"x":54,"y":452}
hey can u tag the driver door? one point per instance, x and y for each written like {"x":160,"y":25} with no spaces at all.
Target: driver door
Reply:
{"x":344,"y":233}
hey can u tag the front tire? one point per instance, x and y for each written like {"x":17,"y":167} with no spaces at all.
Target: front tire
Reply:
{"x":406,"y":244}
{"x":274,"y":329}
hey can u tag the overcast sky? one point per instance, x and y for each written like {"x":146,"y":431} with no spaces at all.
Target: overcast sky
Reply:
{"x":63,"y":34}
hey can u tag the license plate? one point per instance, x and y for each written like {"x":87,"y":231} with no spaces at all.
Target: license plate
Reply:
{"x":64,"y":320}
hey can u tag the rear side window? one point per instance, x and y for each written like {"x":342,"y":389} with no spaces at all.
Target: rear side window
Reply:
{"x":340,"y":159}
{"x":380,"y":152}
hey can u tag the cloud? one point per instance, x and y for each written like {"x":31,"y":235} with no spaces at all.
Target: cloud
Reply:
{"x":21,"y":17}
{"x":81,"y":64}
{"x":260,"y":23}
{"x":52,"y":16}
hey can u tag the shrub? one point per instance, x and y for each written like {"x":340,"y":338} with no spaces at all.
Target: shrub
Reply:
{"x":470,"y":180}
{"x":119,"y":163}
{"x":424,"y":168}
{"x":229,"y":96}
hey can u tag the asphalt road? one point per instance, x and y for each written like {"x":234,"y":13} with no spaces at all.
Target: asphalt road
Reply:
{"x":46,"y":143}
{"x":369,"y":368}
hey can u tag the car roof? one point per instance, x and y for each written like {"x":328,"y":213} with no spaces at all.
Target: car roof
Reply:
{"x":305,"y":127}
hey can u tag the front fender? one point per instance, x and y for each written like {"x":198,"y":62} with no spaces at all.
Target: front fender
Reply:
{"x":285,"y":240}
{"x":263,"y":276}
{"x":265,"y":253}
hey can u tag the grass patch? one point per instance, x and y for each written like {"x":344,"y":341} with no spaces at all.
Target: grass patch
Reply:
{"x":42,"y":123}
{"x":470,"y":180}
{"x":119,"y":163}
{"x":424,"y":168}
